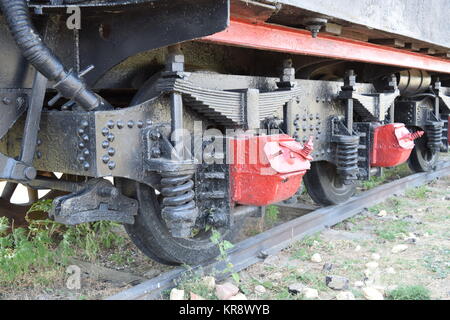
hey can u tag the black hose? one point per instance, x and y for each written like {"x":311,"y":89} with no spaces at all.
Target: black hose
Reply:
{"x":68,"y":84}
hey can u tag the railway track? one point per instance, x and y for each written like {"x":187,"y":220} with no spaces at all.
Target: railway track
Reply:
{"x":257,"y":248}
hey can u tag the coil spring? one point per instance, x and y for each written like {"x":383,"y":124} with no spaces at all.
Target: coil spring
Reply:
{"x":178,"y":205}
{"x":347,"y":157}
{"x":434,"y":136}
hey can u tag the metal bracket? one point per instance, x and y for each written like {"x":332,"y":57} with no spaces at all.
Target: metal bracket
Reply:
{"x":98,"y":201}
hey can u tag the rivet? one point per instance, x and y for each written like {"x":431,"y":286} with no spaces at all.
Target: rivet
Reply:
{"x":111,"y":165}
{"x":81,"y":159}
{"x":120,"y":124}
{"x":84,"y":124}
{"x":110,"y":137}
{"x":86,"y":166}
{"x":105,"y":144}
{"x":85,"y":137}
{"x":105,"y":159}
{"x":111,"y":151}
{"x":130,"y":124}
{"x":81,"y":145}
{"x":149,"y":122}
{"x":6,"y":100}
{"x":80,"y":131}
{"x":140,"y":124}
{"x":39,"y":154}
{"x":105,"y":131}
{"x":86,"y":152}
{"x":110,"y":124}
{"x":39,"y":142}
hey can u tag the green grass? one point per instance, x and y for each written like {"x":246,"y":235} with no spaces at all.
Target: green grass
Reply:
{"x":419,"y":193}
{"x":415,"y":292}
{"x":272,"y":215}
{"x":392,"y":230}
{"x":39,"y":253}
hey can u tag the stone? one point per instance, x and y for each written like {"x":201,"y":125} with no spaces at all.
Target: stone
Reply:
{"x":176,"y":294}
{"x":210,"y":282}
{"x":276,"y":276}
{"x":358,"y":248}
{"x":327,"y":267}
{"x":382,"y":213}
{"x":381,"y":289}
{"x":372,"y":265}
{"x":239,"y":296}
{"x":196,"y":297}
{"x":367,"y":273}
{"x":372,"y":294}
{"x":260,"y":289}
{"x":376,"y":256}
{"x":358,"y":284}
{"x":337,"y":282}
{"x":345,"y":295}
{"x":316,"y":258}
{"x":390,"y":270}
{"x":399,"y":248}
{"x":310,"y":293}
{"x":226,"y":291}
{"x":447,"y":198}
{"x":296,"y":288}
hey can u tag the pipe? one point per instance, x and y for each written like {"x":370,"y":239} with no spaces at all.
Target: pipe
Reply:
{"x":68,"y":83}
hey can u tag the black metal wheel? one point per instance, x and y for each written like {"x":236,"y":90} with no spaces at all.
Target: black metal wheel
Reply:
{"x":15,"y":211}
{"x":151,"y":235}
{"x":422,"y":158}
{"x":325,"y":186}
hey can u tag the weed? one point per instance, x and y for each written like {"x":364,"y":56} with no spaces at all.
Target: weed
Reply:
{"x":272,"y":215}
{"x":418,"y":193}
{"x":224,"y":246}
{"x":416,"y":292}
{"x":392,"y":230}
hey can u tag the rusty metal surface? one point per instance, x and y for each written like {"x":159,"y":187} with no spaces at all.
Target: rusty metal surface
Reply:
{"x":270,"y":242}
{"x":295,"y":41}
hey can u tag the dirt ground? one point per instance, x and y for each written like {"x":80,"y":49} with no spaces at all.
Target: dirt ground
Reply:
{"x":358,"y":250}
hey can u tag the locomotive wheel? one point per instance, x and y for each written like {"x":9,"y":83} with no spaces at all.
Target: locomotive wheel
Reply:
{"x":324,"y":185}
{"x":151,"y":235}
{"x":17,"y":212}
{"x":422,"y":158}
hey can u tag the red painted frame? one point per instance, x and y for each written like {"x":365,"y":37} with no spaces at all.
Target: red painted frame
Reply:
{"x":284,"y":39}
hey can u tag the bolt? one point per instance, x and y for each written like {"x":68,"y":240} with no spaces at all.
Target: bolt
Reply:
{"x":80,"y":131}
{"x":110,"y":124}
{"x":155,"y":135}
{"x":30,"y":173}
{"x":86,"y":152}
{"x":130,"y":124}
{"x":110,"y":137}
{"x":6,"y":100}
{"x":86,"y":166}
{"x":39,"y":142}
{"x":39,"y":154}
{"x":149,"y":122}
{"x":84,"y":124}
{"x":105,"y":159}
{"x":85,"y":138}
{"x":105,"y":144}
{"x":120,"y":124}
{"x":111,"y":151}
{"x":105,"y":131}
{"x":81,"y":145}
{"x":156,"y":153}
{"x":81,"y":159}
{"x":140,"y":124}
{"x":111,"y":165}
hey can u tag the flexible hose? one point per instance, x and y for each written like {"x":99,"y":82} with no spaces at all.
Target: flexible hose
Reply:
{"x":68,"y":84}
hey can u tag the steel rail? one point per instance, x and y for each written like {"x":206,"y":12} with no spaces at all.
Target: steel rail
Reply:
{"x":257,"y":248}
{"x":270,"y":37}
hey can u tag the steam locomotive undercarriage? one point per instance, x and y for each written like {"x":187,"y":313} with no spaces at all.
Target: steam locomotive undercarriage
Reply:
{"x":163,"y":104}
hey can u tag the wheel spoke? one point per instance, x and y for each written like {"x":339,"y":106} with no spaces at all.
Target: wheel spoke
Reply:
{"x":32,"y":195}
{"x":8,"y":191}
